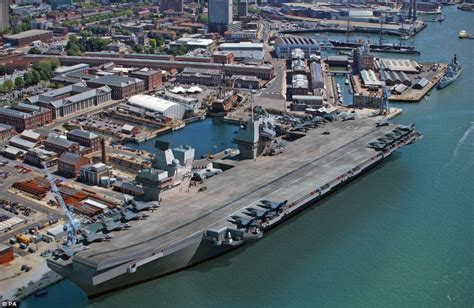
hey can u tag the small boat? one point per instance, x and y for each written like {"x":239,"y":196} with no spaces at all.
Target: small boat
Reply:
{"x":41,"y":293}
{"x":463,"y":34}
{"x":441,"y":18}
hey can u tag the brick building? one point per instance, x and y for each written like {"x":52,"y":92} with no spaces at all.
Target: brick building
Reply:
{"x":151,"y":78}
{"x":60,"y":145}
{"x":122,"y":87}
{"x":24,"y":116}
{"x":6,"y":132}
{"x":84,"y":138}
{"x":224,"y":57}
{"x":69,"y":164}
{"x":26,"y":37}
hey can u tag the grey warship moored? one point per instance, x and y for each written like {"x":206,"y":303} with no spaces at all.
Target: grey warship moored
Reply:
{"x":452,"y":73}
{"x":238,"y":206}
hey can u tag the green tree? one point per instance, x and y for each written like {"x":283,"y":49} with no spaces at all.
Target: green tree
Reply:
{"x":8,"y":84}
{"x":36,"y":76}
{"x":203,"y":18}
{"x":138,"y":48}
{"x":19,"y":82}
{"x":35,"y":51}
{"x":179,"y":51}
{"x":153,"y":43}
{"x":28,"y":78}
{"x":3,"y":70}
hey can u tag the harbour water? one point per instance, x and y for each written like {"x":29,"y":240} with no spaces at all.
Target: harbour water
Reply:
{"x":398,"y":236}
{"x":211,"y":135}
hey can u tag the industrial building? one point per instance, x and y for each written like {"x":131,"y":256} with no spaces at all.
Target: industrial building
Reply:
{"x":363,"y":58}
{"x":71,"y":99}
{"x":24,"y":116}
{"x":6,"y":252}
{"x":263,"y":71}
{"x":400,"y":65}
{"x":192,"y":43}
{"x":224,"y":57}
{"x":121,"y":86}
{"x":78,"y":68}
{"x":60,"y":145}
{"x":156,"y":104}
{"x":26,"y":37}
{"x":286,"y":43}
{"x":6,"y":132}
{"x":20,"y":143}
{"x":206,"y":77}
{"x":246,"y":82}
{"x":370,"y":79}
{"x":152,"y":78}
{"x":91,"y":173}
{"x":303,"y":102}
{"x":69,"y":164}
{"x":84,"y":138}
{"x":37,"y":157}
{"x":317,"y":80}
{"x":244,"y":50}
{"x":395,"y":78}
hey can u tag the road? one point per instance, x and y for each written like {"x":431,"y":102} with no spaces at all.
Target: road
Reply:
{"x":273,"y":94}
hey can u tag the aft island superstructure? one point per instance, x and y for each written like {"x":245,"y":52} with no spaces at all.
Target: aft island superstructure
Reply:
{"x":236,"y":206}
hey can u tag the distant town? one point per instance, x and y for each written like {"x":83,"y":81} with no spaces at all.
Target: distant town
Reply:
{"x":82,"y":83}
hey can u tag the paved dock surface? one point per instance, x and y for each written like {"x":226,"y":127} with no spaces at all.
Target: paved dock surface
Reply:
{"x":306,"y":164}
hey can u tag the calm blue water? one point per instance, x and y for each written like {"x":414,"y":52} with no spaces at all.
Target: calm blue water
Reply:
{"x":400,"y":236}
{"x":210,"y":135}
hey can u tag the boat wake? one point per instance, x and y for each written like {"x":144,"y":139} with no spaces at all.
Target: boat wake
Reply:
{"x":460,"y":143}
{"x":462,"y":140}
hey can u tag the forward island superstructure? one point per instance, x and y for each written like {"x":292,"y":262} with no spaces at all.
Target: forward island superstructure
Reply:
{"x":235,"y":207}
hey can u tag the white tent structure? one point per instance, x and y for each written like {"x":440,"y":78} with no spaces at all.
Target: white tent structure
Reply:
{"x":156,"y":104}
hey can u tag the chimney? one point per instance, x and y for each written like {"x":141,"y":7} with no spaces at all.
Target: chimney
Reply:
{"x":104,"y":153}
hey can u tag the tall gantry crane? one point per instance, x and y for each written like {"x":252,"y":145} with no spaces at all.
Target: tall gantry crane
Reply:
{"x":384,"y":107}
{"x":72,"y":225}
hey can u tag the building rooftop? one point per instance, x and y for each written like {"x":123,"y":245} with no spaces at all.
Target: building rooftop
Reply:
{"x":115,"y":81}
{"x":65,"y":69}
{"x":5,"y":127}
{"x":249,"y":45}
{"x":144,"y":72}
{"x":60,"y":142}
{"x":22,"y":142}
{"x":69,"y":158}
{"x":30,"y":134}
{"x":82,"y":133}
{"x":26,"y":34}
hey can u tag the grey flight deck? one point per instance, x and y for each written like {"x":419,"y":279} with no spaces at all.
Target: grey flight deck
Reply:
{"x":307,"y":163}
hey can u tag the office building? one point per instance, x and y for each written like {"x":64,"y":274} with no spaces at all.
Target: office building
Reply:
{"x":171,"y":5}
{"x":242,"y":8}
{"x":4,"y":12}
{"x":219,"y":15}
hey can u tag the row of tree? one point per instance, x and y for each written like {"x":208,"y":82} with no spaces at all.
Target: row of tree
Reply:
{"x":76,"y":47}
{"x":41,"y":70}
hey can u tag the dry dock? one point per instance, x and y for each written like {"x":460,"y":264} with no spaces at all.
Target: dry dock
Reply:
{"x":172,"y":237}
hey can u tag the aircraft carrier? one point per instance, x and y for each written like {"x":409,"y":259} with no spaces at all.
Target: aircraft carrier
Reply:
{"x":238,"y":206}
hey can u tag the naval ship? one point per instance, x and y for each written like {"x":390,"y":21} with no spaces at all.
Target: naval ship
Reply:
{"x":452,"y":73}
{"x":377,"y":47}
{"x":176,"y":225}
